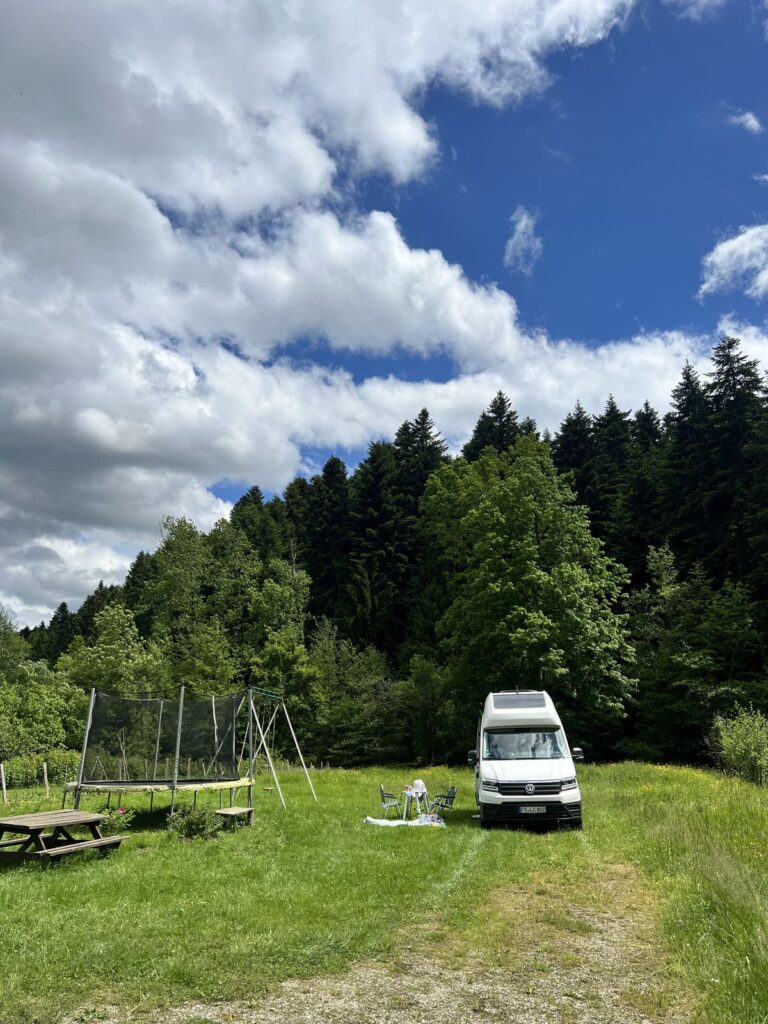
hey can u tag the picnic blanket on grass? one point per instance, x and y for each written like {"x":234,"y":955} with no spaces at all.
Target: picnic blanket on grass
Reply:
{"x":423,"y":819}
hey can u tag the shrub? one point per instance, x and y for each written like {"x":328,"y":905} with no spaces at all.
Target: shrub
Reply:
{"x":27,"y":769}
{"x":22,"y":770}
{"x":117,"y":820}
{"x":62,"y":766}
{"x":195,"y":824}
{"x":740,"y":745}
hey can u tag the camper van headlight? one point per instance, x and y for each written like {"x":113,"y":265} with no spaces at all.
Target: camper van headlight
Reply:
{"x":489,"y":784}
{"x":568,"y":784}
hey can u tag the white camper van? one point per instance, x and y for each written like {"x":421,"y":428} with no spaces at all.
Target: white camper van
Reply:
{"x":524,"y":768}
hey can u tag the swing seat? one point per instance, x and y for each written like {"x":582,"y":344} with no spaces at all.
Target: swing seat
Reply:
{"x":233,"y":813}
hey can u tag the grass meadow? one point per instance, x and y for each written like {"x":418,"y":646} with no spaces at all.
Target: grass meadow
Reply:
{"x":164,"y":921}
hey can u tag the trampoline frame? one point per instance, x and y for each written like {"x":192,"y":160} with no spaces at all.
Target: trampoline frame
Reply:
{"x":175,"y":785}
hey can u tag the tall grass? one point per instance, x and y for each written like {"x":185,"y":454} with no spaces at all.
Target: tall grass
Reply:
{"x":309,"y":889}
{"x":701,"y":838}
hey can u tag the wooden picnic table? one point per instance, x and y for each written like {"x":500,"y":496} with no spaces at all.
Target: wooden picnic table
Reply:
{"x":49,"y":834}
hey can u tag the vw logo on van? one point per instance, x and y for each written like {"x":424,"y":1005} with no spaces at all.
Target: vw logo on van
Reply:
{"x":530,"y":788}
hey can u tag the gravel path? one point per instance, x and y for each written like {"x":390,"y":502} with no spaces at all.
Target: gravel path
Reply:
{"x":532,"y":959}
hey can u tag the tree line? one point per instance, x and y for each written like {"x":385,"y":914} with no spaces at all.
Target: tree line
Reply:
{"x":622,"y":564}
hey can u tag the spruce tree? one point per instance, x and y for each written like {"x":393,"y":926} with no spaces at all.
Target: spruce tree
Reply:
{"x":377,"y":565}
{"x":85,"y":616}
{"x":734,"y":394}
{"x":646,"y":428}
{"x":329,"y":540}
{"x":419,"y":452}
{"x":497,"y":428}
{"x":264,"y":524}
{"x":61,"y":631}
{"x":755,"y":517}
{"x":297,"y":501}
{"x":637,"y":520}
{"x":684,"y":459}
{"x":606,"y":469}
{"x":140,"y":575}
{"x":573,"y":449}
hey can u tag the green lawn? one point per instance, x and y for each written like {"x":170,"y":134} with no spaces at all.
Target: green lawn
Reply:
{"x":311,"y":888}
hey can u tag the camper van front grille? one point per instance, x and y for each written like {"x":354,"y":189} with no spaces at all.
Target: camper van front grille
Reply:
{"x":519,"y":788}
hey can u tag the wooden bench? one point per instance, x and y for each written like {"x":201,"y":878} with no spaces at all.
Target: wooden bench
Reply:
{"x":233,"y":813}
{"x":105,"y":842}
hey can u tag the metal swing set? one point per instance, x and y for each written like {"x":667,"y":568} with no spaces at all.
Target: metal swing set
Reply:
{"x":130,"y":744}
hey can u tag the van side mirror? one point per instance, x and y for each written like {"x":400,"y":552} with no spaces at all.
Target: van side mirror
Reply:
{"x":577,"y":753}
{"x":472,"y":758}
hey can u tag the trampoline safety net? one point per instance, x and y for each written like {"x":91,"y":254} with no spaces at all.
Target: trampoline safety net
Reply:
{"x":134,"y":739}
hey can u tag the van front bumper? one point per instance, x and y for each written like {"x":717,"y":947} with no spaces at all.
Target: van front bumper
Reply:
{"x":512,"y":811}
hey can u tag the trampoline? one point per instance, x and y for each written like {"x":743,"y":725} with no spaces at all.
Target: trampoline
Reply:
{"x":157,"y":745}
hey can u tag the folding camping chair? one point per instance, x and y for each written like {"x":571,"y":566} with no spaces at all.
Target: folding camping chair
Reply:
{"x":388,"y":801}
{"x":443,"y":802}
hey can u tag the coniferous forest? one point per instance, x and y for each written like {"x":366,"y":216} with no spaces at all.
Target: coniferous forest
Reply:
{"x":621,"y":564}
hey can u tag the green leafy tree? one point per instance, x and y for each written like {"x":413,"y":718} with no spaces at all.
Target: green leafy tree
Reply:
{"x":354,"y":712}
{"x":534,"y":598}
{"x":39,"y":711}
{"x":117,"y":659}
{"x":14,"y":649}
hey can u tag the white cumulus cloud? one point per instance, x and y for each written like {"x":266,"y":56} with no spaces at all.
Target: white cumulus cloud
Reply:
{"x":748,"y":121}
{"x":523,"y":246}
{"x":738,"y":262}
{"x":173,"y":217}
{"x":696,"y":10}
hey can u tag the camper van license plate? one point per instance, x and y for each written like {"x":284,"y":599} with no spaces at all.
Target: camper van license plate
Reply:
{"x":533,"y":810}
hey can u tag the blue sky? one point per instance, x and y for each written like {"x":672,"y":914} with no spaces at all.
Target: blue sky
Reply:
{"x":631,"y":167}
{"x":379,"y":207}
{"x":630,"y":163}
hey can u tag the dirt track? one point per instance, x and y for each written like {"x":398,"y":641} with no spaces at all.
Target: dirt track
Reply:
{"x":532,"y":959}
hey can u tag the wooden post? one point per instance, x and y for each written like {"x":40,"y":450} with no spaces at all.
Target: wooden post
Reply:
{"x":45,"y":781}
{"x":2,"y":782}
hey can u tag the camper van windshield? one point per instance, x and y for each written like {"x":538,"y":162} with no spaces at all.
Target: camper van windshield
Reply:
{"x":522,"y":744}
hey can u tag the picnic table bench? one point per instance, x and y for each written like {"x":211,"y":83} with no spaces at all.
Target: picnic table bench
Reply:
{"x":48,"y":834}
